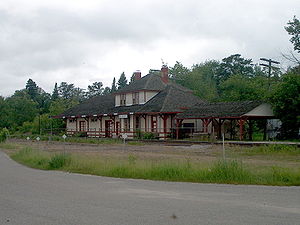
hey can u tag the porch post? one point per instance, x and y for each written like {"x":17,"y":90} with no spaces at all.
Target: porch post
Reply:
{"x":178,"y":124}
{"x":231,"y":129}
{"x":241,"y":123}
{"x":165,"y":118}
{"x":250,"y":129}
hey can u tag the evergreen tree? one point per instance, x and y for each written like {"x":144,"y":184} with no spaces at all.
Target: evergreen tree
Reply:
{"x":55,"y":93}
{"x":106,"y":91}
{"x":113,"y":86}
{"x":132,"y":78}
{"x":95,"y":89}
{"x":122,"y":82}
{"x":32,"y":89}
{"x":293,"y":29}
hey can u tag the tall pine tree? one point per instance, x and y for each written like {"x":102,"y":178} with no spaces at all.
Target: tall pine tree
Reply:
{"x":122,"y":82}
{"x":113,"y":86}
{"x":55,"y":94}
{"x":32,"y":89}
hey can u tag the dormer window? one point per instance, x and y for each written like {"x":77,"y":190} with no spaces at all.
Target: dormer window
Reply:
{"x":135,"y":98}
{"x":123,"y":99}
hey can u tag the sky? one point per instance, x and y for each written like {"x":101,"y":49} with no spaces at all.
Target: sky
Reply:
{"x":84,"y":41}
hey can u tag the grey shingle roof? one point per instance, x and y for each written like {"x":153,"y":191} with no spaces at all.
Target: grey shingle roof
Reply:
{"x":219,"y":109}
{"x":170,"y":98}
{"x":96,"y":105}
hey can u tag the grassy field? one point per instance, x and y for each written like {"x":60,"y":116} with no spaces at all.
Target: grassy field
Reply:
{"x":265,"y":165}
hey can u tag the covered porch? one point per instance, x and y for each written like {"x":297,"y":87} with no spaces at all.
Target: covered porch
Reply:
{"x":234,"y":120}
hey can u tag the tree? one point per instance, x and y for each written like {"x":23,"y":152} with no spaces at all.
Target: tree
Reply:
{"x":233,"y":65}
{"x":20,"y":108}
{"x":132,"y":78}
{"x":286,"y":104}
{"x":122,"y":82}
{"x":202,"y":81}
{"x":113,"y":86}
{"x":241,"y":88}
{"x":4,"y":113}
{"x":66,"y":91}
{"x":32,"y":89}
{"x":95,"y":89}
{"x":106,"y":91}
{"x":179,"y":72}
{"x":293,"y":29}
{"x":70,"y":92}
{"x":55,"y":93}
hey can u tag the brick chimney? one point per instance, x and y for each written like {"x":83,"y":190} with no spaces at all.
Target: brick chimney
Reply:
{"x":137,"y":75}
{"x":165,"y":74}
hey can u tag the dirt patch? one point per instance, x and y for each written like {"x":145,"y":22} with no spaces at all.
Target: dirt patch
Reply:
{"x":200,"y":153}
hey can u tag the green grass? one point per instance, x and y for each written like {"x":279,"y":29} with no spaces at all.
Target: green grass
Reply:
{"x":268,"y":150}
{"x":230,"y":171}
{"x":9,"y":146}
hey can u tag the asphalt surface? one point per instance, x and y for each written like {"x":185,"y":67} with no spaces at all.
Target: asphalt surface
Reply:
{"x":34,"y":197}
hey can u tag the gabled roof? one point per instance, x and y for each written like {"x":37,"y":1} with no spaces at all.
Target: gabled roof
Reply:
{"x":171,"y":99}
{"x":221,"y":110}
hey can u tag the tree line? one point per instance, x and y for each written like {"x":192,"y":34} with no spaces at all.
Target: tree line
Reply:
{"x":233,"y":78}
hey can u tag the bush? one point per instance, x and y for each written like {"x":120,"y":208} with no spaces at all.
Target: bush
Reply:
{"x":3,"y":135}
{"x":81,"y":134}
{"x":59,"y":160}
{"x":148,"y":135}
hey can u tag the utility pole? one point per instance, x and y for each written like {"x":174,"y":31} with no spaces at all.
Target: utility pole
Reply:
{"x":270,"y":67}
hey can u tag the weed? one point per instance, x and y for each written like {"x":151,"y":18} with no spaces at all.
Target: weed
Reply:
{"x":132,"y":159}
{"x":58,"y":161}
{"x":230,"y":171}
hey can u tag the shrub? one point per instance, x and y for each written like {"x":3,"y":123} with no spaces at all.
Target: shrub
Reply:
{"x":59,"y":160}
{"x":3,"y":135}
{"x":148,"y":135}
{"x":229,"y":171}
{"x":81,"y":134}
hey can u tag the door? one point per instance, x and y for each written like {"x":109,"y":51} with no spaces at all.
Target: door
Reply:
{"x":82,"y":126}
{"x":108,"y":128}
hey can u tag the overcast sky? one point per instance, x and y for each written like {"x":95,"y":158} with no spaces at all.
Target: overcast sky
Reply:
{"x":83,"y":41}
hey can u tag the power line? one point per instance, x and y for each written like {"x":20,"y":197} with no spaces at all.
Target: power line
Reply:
{"x":270,"y":67}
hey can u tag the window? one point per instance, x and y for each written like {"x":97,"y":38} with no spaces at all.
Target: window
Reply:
{"x":123,"y":99}
{"x":135,"y":98}
{"x":71,"y":120}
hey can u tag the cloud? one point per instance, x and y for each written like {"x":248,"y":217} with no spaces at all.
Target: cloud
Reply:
{"x":85,"y":41}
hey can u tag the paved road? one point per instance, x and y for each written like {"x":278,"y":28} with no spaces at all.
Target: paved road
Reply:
{"x":34,"y":197}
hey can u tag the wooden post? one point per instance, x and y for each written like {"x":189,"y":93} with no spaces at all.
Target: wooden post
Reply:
{"x":241,"y":123}
{"x":250,"y":129}
{"x":178,"y":124}
{"x":165,"y":118}
{"x":231,"y":129}
{"x":265,"y":130}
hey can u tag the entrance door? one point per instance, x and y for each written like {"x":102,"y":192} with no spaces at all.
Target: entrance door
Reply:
{"x":81,"y":125}
{"x":108,"y":128}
